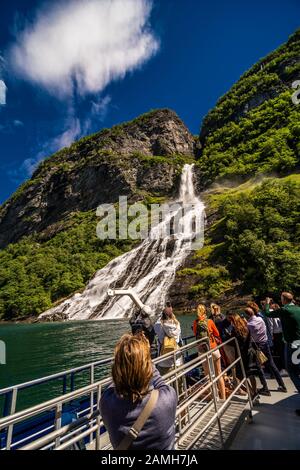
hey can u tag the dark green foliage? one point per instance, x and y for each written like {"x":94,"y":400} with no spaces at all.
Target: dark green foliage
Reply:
{"x":213,"y":281}
{"x":255,"y":128}
{"x":261,"y":231}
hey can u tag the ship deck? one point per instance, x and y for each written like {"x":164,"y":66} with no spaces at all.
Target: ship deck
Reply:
{"x":275,"y":425}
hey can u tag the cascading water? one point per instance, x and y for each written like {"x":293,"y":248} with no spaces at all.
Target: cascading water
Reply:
{"x":149,"y":268}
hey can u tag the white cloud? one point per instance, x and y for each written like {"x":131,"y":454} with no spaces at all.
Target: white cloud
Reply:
{"x":99,"y":108}
{"x":3,"y":87}
{"x":84,"y":45}
{"x":10,"y":126}
{"x":18,"y":123}
{"x":73,"y":131}
{"x":79,"y":47}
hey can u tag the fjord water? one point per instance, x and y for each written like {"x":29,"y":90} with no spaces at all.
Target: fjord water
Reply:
{"x":149,"y":268}
{"x":38,"y":350}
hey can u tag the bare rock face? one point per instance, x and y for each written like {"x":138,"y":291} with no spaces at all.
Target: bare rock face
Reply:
{"x":159,"y":132}
{"x":144,"y":156}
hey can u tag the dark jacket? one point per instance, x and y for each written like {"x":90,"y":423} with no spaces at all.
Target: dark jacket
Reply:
{"x":142,"y":322}
{"x":247,"y":354}
{"x":290,"y":319}
{"x":119,"y":415}
{"x":224,"y":327}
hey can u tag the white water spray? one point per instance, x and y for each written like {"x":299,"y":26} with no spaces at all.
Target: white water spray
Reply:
{"x":149,"y":268}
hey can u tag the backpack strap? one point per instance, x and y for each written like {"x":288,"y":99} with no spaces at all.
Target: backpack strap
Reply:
{"x":139,"y":423}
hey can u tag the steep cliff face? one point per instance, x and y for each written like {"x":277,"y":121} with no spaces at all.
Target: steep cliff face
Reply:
{"x":134,"y":159}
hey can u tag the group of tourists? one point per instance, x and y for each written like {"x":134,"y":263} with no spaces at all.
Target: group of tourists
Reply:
{"x":139,"y":408}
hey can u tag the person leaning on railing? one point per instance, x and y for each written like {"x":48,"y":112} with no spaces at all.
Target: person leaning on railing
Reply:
{"x":139,"y":408}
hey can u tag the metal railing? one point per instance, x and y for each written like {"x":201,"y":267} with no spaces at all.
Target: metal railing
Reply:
{"x":87,"y":426}
{"x":67,"y":378}
{"x":11,"y":394}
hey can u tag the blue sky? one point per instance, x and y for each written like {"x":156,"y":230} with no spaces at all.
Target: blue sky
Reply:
{"x":72,"y":67}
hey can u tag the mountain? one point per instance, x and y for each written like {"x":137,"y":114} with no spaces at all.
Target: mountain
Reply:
{"x":48,"y":227}
{"x":134,"y":159}
{"x":246,"y":168}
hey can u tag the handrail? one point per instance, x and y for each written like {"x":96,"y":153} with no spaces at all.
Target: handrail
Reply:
{"x":58,"y":375}
{"x":89,"y":425}
{"x":11,"y":393}
{"x":16,"y":417}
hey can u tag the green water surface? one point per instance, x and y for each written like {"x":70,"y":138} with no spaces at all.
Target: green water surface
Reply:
{"x":38,"y":350}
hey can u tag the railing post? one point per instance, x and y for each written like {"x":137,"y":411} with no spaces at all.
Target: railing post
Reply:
{"x":72,"y":382}
{"x":92,"y":378}
{"x":177,"y":388}
{"x":211,"y":369}
{"x":98,"y":419}
{"x":64,"y":384}
{"x":58,"y":416}
{"x":13,"y":405}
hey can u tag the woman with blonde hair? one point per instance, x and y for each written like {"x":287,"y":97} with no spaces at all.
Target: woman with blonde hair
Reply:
{"x":138,"y":391}
{"x":204,"y":327}
{"x":224,"y":328}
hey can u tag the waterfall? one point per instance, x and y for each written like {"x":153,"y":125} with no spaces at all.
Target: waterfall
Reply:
{"x":149,"y":268}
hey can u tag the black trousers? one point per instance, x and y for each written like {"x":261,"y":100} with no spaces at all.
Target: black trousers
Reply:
{"x":278,"y":349}
{"x":265,"y":348}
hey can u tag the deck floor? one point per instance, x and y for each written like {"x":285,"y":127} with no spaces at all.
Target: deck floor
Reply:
{"x":275,"y":425}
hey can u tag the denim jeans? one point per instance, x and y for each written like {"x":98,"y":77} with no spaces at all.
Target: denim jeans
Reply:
{"x":265,"y":348}
{"x":292,"y":368}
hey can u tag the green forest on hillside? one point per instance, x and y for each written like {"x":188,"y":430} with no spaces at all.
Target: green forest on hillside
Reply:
{"x":255,"y":127}
{"x":266,"y":141}
{"x":34,"y":274}
{"x":255,"y":241}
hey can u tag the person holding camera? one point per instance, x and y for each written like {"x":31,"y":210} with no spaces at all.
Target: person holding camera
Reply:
{"x":139,"y":408}
{"x":258,"y":331}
